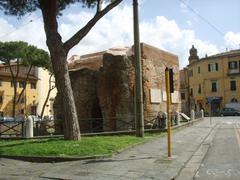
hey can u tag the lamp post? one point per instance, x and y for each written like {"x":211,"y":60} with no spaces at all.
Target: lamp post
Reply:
{"x":138,"y":69}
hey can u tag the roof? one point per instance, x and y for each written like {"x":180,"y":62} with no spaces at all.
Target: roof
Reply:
{"x":224,"y":54}
{"x":231,"y":53}
{"x":94,"y":61}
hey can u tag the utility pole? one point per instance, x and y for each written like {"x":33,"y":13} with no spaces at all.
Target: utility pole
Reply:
{"x":138,"y":69}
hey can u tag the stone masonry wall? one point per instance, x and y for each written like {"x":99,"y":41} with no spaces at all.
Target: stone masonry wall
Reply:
{"x":154,"y":63}
{"x":115,"y":92}
{"x":104,"y":92}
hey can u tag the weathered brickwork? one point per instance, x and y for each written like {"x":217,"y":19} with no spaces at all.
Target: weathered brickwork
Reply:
{"x":103,"y":85}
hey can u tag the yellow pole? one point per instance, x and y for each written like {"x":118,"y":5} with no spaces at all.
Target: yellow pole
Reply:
{"x":168,"y":112}
{"x":25,"y":100}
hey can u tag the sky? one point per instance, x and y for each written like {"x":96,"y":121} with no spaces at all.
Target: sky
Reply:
{"x":212,"y":26}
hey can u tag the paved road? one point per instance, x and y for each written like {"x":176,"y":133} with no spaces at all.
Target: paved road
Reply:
{"x":147,"y":161}
{"x":222,"y":161}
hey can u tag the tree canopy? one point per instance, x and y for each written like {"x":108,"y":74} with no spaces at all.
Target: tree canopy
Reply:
{"x":58,"y":49}
{"x":25,"y":53}
{"x":21,"y":7}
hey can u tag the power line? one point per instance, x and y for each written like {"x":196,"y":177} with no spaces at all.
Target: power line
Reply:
{"x":206,"y":21}
{"x":9,"y":33}
{"x":203,"y":18}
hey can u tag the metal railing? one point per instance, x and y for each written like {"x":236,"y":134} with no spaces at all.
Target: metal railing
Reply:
{"x":11,"y":128}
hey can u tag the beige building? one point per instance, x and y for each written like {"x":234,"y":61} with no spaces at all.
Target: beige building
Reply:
{"x":45,"y":82}
{"x":212,"y":82}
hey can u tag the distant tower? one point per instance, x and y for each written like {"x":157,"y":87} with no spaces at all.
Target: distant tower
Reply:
{"x":193,"y":55}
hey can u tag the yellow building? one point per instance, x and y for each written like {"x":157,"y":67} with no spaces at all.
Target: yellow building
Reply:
{"x":28,"y":101}
{"x":213,"y":81}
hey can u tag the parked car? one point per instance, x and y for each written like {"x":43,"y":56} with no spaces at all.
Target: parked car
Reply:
{"x":229,"y":112}
{"x":7,"y":119}
{"x":35,"y":118}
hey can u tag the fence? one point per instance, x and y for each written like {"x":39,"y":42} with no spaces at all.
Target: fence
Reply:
{"x":11,"y":128}
{"x":90,"y":125}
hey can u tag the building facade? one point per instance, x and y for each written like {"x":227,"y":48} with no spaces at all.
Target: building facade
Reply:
{"x":212,"y":82}
{"x":46,"y":82}
{"x":28,"y":99}
{"x":103,"y":85}
{"x":34,"y":95}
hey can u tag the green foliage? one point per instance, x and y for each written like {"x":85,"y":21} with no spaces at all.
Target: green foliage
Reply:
{"x":88,"y":146}
{"x":21,"y":7}
{"x":26,"y":54}
{"x":12,"y":50}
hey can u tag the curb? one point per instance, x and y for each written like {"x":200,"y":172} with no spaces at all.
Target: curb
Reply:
{"x":52,"y":159}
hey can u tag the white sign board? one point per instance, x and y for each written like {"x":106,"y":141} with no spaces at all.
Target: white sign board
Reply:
{"x":155,"y":96}
{"x":164,"y":96}
{"x":175,"y":97}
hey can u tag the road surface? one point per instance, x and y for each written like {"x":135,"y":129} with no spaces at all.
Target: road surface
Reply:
{"x":222,"y":161}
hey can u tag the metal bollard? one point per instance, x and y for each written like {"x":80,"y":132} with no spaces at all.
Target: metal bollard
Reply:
{"x":202,"y":114}
{"x":178,"y":118}
{"x":192,"y":115}
{"x":29,"y":127}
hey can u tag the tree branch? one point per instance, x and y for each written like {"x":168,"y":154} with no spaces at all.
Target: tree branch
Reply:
{"x":50,"y":88}
{"x":74,"y":40}
{"x":25,"y":84}
{"x":99,"y":5}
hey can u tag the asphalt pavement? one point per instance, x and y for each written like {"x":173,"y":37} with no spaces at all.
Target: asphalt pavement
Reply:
{"x":146,"y":161}
{"x":222,"y":162}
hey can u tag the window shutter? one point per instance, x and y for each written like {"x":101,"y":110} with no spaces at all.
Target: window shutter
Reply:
{"x":208,"y":67}
{"x":229,"y":65}
{"x":235,"y":64}
{"x":216,"y":66}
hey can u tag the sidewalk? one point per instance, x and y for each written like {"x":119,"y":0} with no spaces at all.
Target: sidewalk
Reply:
{"x":146,"y":161}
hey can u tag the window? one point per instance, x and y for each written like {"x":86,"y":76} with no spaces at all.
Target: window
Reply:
{"x":199,"y":70}
{"x":21,"y":84}
{"x":1,"y":99}
{"x":212,"y":67}
{"x":234,"y":100}
{"x":0,"y":82}
{"x":33,"y":85}
{"x":232,"y":65}
{"x":233,"y":86}
{"x":12,"y":84}
{"x":183,"y":96}
{"x":190,"y":73}
{"x":214,"y":86}
{"x":22,"y":100}
{"x":22,"y":111}
{"x":199,"y":89}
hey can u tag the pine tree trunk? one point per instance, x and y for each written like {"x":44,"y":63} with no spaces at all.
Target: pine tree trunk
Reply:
{"x":14,"y":98}
{"x":62,"y":80}
{"x":60,"y":68}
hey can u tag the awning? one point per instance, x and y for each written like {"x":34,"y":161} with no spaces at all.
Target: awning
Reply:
{"x":214,"y":100}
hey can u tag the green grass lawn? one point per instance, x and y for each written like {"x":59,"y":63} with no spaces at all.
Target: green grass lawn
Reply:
{"x":88,"y":146}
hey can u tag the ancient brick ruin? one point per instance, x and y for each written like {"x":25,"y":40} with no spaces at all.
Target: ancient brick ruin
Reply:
{"x":103,"y":85}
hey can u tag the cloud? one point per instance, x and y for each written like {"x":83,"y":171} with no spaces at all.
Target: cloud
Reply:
{"x":114,"y":30}
{"x":232,"y":40}
{"x":29,"y":29}
{"x":166,"y":34}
